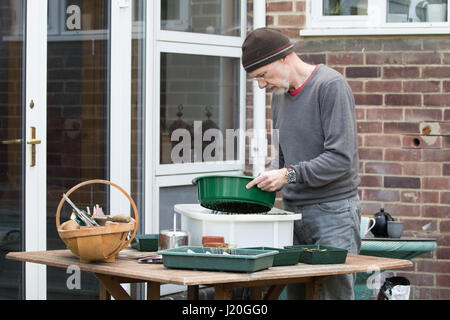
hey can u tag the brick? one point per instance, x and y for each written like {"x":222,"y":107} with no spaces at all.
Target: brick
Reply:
{"x":300,"y":6}
{"x":444,"y":226}
{"x":446,"y":58}
{"x":417,"y":279}
{"x":431,"y":294}
{"x":434,"y":155}
{"x":383,"y":168}
{"x":371,"y":181}
{"x":279,"y":6}
{"x":382,"y":141}
{"x":402,"y":210}
{"x":291,"y":20}
{"x":436,"y":211}
{"x":383,"y":58}
{"x":401,"y":72}
{"x":345,"y":58}
{"x":402,"y":182}
{"x":316,"y":46}
{"x":401,"y":127}
{"x":414,"y":114}
{"x":368,"y":99}
{"x":446,"y":142}
{"x":436,"y":72}
{"x":436,"y":183}
{"x":446,"y":169}
{"x":363,"y":72}
{"x":443,"y":253}
{"x":433,"y":266}
{"x":445,"y":197}
{"x":438,"y":43}
{"x":369,"y":127}
{"x":443,"y":280}
{"x":412,"y":196}
{"x":356,"y":86}
{"x":446,"y":86}
{"x":385,"y":114}
{"x":312,"y":58}
{"x":420,"y":142}
{"x":370,"y":154}
{"x":360,"y":113}
{"x":383,"y":86}
{"x":422,"y":86}
{"x":362,"y":45}
{"x":381,"y":195}
{"x":398,"y":44}
{"x":403,"y":100}
{"x":441,"y":100}
{"x":402,"y":155}
{"x":422,"y":58}
{"x":430,"y":225}
{"x":421,"y":169}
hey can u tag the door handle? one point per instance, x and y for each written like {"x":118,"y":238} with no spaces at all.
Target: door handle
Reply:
{"x":33,"y":142}
{"x":12,"y":141}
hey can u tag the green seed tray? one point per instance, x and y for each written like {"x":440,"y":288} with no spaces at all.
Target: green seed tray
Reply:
{"x":239,"y":260}
{"x":332,"y":255}
{"x":145,"y":242}
{"x":284,"y":257}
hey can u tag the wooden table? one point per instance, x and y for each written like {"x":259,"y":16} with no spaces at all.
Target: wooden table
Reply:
{"x":126,"y":269}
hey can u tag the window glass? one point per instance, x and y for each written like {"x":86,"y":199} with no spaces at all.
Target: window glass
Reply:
{"x":202,"y":16}
{"x":344,"y":7}
{"x":199,"y":108}
{"x":416,"y":11}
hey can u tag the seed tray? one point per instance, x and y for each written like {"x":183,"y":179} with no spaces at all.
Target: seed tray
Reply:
{"x":315,"y":254}
{"x":146,"y":242}
{"x":284,"y":257}
{"x":238,"y":260}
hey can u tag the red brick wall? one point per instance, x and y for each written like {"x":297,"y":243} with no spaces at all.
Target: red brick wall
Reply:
{"x":402,"y":92}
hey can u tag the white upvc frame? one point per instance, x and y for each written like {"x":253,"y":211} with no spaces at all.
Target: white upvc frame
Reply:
{"x":157,"y":175}
{"x":372,"y":24}
{"x":120,"y":123}
{"x":197,"y":44}
{"x":186,"y":168}
{"x":36,"y":176}
{"x":120,"y":104}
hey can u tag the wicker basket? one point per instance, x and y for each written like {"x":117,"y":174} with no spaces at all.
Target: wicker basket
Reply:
{"x":101,"y":243}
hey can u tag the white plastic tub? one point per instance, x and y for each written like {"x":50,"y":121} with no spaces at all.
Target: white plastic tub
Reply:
{"x":274,"y":229}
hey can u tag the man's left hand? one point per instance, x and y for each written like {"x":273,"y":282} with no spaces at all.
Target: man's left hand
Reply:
{"x":270,"y":180}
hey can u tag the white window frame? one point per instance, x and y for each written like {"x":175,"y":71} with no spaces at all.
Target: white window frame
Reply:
{"x":196,"y":44}
{"x":372,"y":24}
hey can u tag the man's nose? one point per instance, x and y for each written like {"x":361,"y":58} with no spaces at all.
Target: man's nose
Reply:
{"x":262,"y":84}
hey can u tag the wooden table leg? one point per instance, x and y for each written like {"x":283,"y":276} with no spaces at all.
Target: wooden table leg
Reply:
{"x":255,"y":293}
{"x":192,"y":292}
{"x":103,"y":294}
{"x":274,"y":292}
{"x":113,"y":286}
{"x":153,"y":290}
{"x":313,"y":288}
{"x":222,"y":292}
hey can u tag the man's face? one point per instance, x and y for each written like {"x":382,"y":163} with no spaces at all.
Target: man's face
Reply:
{"x":274,"y":77}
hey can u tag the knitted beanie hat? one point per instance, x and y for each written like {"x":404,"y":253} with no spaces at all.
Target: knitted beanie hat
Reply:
{"x":263,"y":46}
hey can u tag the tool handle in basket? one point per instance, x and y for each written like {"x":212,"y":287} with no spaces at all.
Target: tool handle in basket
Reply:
{"x":98,"y":181}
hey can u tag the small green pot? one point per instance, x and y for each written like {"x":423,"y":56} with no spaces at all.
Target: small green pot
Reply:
{"x":228,"y":193}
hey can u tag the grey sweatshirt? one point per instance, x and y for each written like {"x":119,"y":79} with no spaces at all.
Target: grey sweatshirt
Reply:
{"x":318,"y":139}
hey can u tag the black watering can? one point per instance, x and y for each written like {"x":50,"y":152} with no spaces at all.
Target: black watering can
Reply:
{"x":381,"y":220}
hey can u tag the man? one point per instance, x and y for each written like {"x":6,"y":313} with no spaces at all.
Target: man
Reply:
{"x":317,"y":163}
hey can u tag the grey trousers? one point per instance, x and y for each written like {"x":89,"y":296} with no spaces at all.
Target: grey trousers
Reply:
{"x":336,"y":224}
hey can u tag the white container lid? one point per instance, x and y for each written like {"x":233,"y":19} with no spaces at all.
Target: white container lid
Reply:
{"x":196,"y":211}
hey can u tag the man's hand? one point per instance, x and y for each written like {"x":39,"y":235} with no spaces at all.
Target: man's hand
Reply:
{"x":270,"y":180}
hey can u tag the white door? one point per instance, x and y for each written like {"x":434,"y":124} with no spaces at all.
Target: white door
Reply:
{"x":65,"y":96}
